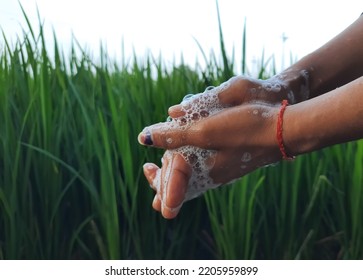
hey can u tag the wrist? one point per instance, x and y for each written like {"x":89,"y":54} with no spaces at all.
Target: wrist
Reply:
{"x":301,"y":128}
{"x":279,"y":131}
{"x":297,"y":84}
{"x":332,"y":118}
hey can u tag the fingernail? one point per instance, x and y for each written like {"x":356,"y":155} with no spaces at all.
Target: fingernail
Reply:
{"x":145,"y":138}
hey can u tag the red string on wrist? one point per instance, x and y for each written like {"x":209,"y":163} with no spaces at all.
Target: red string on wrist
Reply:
{"x":280,"y":140}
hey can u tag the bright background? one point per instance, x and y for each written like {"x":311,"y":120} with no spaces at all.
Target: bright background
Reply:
{"x":167,"y":27}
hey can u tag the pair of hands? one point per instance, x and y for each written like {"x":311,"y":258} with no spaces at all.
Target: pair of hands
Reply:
{"x":210,"y":144}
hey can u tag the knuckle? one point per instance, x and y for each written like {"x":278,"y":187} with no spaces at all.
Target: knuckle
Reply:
{"x":202,"y":135}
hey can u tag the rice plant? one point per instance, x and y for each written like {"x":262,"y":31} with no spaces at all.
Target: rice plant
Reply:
{"x":71,"y":183}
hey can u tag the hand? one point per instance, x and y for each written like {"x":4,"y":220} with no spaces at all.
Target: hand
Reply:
{"x":175,"y":183}
{"x":238,"y":140}
{"x":242,"y":89}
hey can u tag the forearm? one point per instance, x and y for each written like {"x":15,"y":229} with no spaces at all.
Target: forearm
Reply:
{"x":336,"y":63}
{"x":332,"y":118}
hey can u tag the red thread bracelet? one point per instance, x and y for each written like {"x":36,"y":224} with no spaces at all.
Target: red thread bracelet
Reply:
{"x":280,"y":140}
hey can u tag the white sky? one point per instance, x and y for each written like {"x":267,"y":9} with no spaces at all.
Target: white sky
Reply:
{"x":168,"y":26}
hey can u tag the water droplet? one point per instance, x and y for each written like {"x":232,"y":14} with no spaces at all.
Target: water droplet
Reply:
{"x":266,"y":114}
{"x":246,"y":157}
{"x":276,"y":88}
{"x":268,"y":86}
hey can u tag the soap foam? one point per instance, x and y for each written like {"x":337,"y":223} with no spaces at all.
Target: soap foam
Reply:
{"x":195,"y":107}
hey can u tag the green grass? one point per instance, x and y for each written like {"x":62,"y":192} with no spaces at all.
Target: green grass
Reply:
{"x":71,"y":182}
{"x":309,"y":209}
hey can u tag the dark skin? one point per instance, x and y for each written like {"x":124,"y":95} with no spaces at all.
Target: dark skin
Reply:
{"x":320,"y":115}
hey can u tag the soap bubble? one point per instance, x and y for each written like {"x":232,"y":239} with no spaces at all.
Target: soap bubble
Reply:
{"x":201,"y":161}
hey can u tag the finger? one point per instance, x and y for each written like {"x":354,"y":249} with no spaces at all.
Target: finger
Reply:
{"x":178,"y":182}
{"x":176,"y":186}
{"x":236,"y":90}
{"x":165,"y":135}
{"x":156,"y":203}
{"x":150,"y":172}
{"x":171,"y":135}
{"x":176,"y":111}
{"x":180,"y":110}
{"x":169,"y":213}
{"x":232,"y":92}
